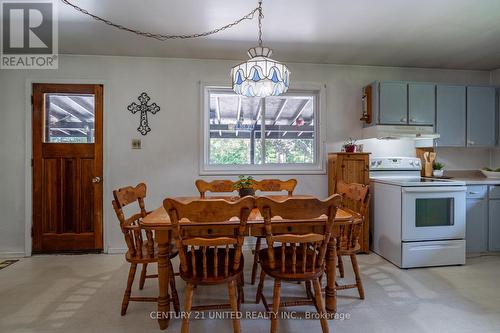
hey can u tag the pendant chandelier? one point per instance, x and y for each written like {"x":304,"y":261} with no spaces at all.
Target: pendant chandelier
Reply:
{"x":260,"y":76}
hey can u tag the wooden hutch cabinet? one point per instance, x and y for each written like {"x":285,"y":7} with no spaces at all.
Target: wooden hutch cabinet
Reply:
{"x":351,"y":168}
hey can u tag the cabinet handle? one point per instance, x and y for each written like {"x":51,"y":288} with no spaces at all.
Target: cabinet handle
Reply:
{"x":473,"y":192}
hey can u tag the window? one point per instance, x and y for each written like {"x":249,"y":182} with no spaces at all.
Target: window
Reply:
{"x":261,"y":135}
{"x":69,"y":118}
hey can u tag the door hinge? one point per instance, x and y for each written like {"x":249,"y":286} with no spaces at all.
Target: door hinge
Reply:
{"x":31,"y":232}
{"x":32,"y":162}
{"x":31,"y":99}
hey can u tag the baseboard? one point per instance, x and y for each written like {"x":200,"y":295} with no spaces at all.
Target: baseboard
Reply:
{"x":117,"y":250}
{"x":12,"y":254}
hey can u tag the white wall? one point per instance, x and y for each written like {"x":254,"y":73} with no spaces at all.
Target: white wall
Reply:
{"x":168,"y":161}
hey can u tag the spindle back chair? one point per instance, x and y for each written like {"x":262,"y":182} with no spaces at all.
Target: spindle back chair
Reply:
{"x":140,"y":243}
{"x":210,"y":255}
{"x":215,"y":186}
{"x":269,"y":185}
{"x":356,"y":199}
{"x":298,"y":256}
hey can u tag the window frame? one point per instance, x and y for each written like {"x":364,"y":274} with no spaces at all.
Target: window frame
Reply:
{"x":318,"y":167}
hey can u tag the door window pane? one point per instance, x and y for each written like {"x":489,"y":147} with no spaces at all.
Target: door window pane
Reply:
{"x":69,"y":118}
{"x":290,"y":123}
{"x":434,"y":212}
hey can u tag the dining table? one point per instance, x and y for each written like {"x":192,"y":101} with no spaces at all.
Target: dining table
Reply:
{"x":158,"y":221}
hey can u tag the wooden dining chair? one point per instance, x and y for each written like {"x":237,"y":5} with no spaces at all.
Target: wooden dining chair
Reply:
{"x":300,"y":254}
{"x":356,"y":199}
{"x":141,"y":250}
{"x":215,"y":186}
{"x":269,"y":185}
{"x":210,"y":255}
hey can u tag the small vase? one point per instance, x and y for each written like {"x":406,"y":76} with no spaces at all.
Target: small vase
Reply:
{"x":438,"y":173}
{"x":350,"y":149}
{"x":246,"y":191}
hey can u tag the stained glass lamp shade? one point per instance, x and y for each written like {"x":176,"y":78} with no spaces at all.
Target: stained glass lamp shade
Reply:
{"x":260,"y":76}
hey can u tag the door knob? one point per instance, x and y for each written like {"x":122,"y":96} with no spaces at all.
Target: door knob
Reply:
{"x":96,"y":180}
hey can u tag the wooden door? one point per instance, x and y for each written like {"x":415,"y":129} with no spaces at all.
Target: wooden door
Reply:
{"x":67,"y":167}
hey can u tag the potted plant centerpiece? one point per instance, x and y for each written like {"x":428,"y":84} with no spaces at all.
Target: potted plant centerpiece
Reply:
{"x":245,"y":186}
{"x":437,"y":169}
{"x":349,"y":145}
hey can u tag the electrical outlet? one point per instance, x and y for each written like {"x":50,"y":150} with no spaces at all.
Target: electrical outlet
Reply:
{"x":136,"y":144}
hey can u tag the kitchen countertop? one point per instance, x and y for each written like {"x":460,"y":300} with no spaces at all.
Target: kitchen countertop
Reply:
{"x":471,"y":177}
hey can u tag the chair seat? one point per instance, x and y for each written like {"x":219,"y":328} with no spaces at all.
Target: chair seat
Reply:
{"x":144,"y":256}
{"x":288,"y":274}
{"x":211,"y":277}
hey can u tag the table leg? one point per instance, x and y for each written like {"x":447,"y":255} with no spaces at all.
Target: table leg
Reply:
{"x":331,"y":263}
{"x":163,"y":279}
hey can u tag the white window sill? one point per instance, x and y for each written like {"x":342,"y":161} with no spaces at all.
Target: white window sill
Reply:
{"x":262,"y":170}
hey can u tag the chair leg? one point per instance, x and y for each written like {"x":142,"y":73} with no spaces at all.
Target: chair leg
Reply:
{"x":188,"y":302}
{"x":241,"y":293}
{"x":260,"y":287}
{"x":128,"y":290}
{"x":320,"y":306}
{"x":359,"y":284}
{"x":276,"y":306}
{"x":143,"y":276}
{"x":173,"y":290}
{"x":255,"y":260}
{"x":341,"y":266}
{"x":308,"y":290}
{"x":234,"y":305}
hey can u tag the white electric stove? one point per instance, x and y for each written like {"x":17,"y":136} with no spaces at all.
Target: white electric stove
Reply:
{"x":416,"y":221}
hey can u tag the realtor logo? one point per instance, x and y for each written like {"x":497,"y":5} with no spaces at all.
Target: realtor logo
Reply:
{"x":29,"y":35}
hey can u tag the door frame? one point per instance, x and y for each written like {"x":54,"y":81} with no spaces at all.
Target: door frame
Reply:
{"x":28,"y":183}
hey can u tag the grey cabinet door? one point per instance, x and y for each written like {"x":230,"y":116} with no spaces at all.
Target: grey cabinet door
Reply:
{"x":494,"y":226}
{"x":393,"y":103}
{"x":481,"y":116}
{"x":476,"y":233}
{"x":450,"y":115}
{"x":421,"y":103}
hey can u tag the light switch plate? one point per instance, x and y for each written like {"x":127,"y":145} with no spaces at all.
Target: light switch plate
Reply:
{"x":136,"y":144}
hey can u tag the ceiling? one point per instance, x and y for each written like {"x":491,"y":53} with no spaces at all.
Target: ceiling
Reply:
{"x":459,"y":34}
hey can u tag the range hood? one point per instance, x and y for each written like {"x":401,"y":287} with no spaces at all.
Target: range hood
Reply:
{"x":399,"y":132}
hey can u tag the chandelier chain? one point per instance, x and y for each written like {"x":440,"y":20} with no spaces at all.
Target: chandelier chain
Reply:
{"x":163,"y":37}
{"x":261,"y":16}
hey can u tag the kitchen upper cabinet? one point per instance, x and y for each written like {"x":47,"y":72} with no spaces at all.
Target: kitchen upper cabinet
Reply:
{"x":393,"y":103}
{"x":421,"y":103}
{"x":476,"y":234}
{"x":450,"y":115}
{"x":481,"y":116}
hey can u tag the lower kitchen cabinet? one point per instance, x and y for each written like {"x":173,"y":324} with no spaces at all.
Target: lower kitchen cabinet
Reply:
{"x":494,"y":219}
{"x":476,"y":234}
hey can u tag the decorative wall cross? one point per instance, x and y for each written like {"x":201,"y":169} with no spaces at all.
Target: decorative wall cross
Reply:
{"x":144,"y":108}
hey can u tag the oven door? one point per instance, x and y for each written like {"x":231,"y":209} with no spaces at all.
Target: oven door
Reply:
{"x":433,"y":213}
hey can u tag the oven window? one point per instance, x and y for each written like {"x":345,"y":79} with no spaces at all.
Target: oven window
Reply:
{"x":434,"y":212}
